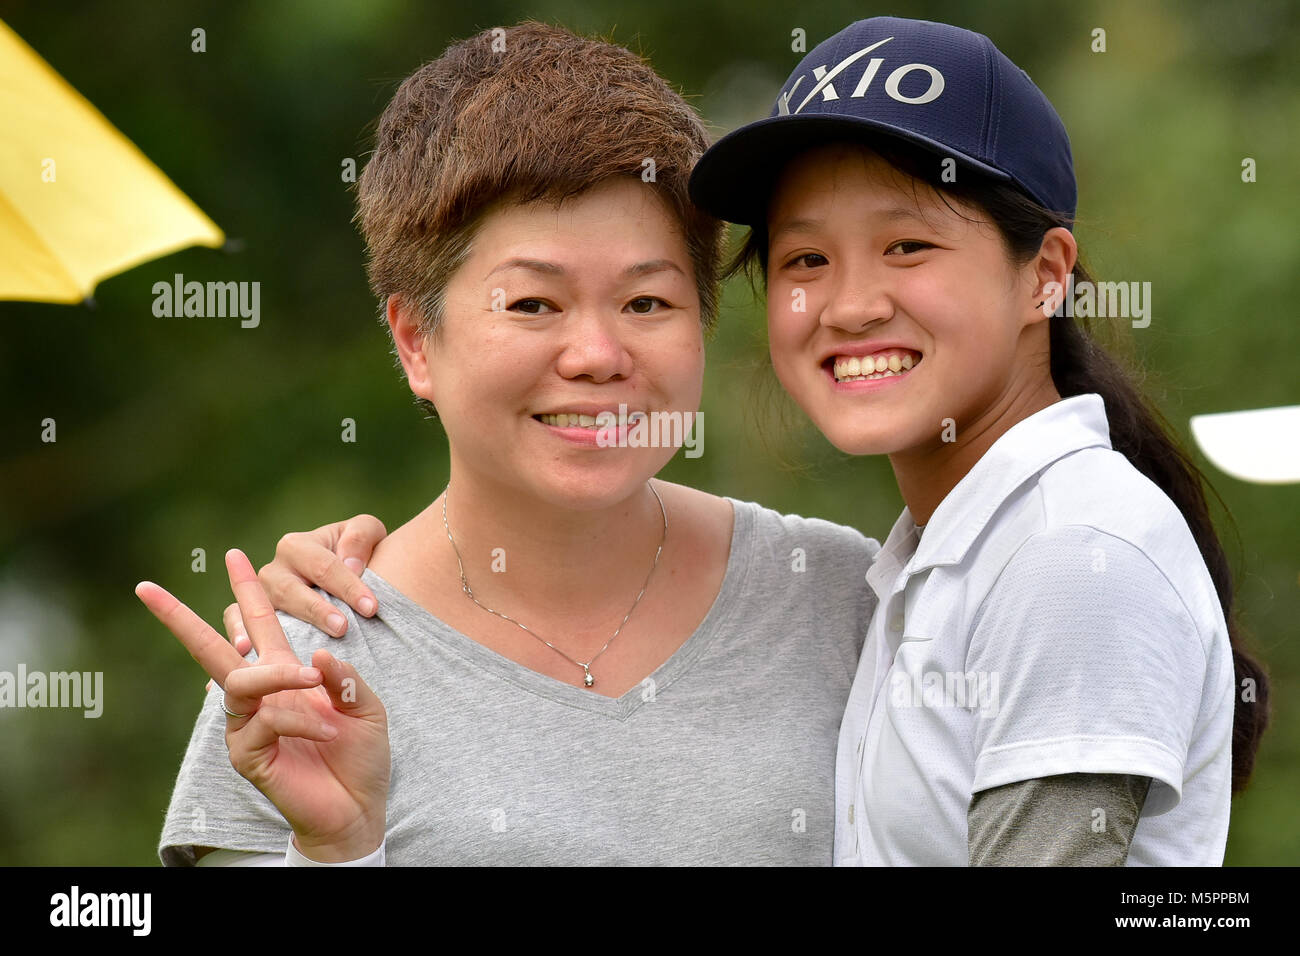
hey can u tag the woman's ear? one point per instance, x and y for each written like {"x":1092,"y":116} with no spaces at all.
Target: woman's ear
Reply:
{"x":1050,"y":269}
{"x":404,"y":322}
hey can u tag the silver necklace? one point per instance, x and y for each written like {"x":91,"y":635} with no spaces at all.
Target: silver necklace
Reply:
{"x":587,"y":679}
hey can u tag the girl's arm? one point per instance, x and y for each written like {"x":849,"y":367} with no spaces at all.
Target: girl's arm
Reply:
{"x":1074,"y":819}
{"x":1106,"y":672}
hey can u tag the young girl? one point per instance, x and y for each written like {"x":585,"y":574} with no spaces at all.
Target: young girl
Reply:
{"x":1051,"y":675}
{"x":1050,"y":661}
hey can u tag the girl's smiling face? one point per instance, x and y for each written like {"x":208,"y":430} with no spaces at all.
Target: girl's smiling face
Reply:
{"x":896,"y":322}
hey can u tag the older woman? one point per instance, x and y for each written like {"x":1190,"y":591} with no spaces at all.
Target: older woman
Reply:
{"x":574,"y":663}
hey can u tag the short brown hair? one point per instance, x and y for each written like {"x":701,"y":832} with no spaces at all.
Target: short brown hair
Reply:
{"x":523,"y":113}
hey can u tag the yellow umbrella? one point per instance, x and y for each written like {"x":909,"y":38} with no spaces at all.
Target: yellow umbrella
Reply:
{"x":78,"y":201}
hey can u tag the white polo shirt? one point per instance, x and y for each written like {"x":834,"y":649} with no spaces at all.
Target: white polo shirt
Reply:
{"x":1055,"y":616}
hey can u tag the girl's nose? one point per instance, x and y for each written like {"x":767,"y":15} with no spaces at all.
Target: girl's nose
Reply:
{"x":857,"y":299}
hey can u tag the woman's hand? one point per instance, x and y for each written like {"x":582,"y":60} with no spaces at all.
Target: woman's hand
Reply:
{"x":313,"y":739}
{"x":332,"y":557}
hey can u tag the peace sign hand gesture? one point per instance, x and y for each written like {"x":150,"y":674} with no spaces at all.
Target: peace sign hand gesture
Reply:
{"x":313,"y":739}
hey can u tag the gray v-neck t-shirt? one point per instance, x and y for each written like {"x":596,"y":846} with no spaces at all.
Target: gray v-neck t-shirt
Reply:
{"x":724,"y":755}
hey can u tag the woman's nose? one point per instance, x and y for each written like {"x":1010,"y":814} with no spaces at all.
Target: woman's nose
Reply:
{"x":594,"y":348}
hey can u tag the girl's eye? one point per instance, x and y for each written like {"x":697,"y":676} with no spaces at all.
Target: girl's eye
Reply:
{"x":916,"y":245}
{"x":645,"y":305}
{"x":530,"y":306}
{"x":809,"y":260}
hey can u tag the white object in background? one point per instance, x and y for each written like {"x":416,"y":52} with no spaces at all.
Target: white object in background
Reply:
{"x":1260,"y":445}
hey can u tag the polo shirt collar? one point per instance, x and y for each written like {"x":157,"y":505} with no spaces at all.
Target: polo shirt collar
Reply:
{"x":893,"y":556}
{"x":1028,"y":447}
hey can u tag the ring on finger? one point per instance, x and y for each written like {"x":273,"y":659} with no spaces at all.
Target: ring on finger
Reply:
{"x":228,"y":711}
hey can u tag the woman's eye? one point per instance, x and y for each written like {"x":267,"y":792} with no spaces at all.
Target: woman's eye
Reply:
{"x":915,"y":244}
{"x":645,"y":305}
{"x":530,"y":306}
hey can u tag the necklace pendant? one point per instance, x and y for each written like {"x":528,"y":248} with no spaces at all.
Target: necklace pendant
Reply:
{"x":587,"y":679}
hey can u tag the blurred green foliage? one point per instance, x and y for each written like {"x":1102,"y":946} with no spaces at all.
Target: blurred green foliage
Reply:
{"x":176,"y":434}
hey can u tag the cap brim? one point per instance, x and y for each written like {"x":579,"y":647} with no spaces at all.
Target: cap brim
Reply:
{"x":733,"y":179}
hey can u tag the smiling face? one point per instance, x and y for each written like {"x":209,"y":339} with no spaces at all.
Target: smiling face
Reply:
{"x":562,"y":310}
{"x":889,"y":314}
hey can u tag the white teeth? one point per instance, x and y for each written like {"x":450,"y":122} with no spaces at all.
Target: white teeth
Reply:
{"x":867,"y":378}
{"x":854,"y":369}
{"x":566,"y":420}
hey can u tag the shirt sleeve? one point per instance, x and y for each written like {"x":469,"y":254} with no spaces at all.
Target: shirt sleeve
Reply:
{"x":211,"y":804}
{"x":1099,"y":667}
{"x":295,"y":858}
{"x":241,"y":858}
{"x":1076,"y":819}
{"x":291,"y":857}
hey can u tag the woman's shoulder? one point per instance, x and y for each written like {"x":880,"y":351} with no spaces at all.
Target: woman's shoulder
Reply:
{"x":763,"y":538}
{"x":305,"y":638}
{"x":782,"y":534}
{"x":801,"y":580}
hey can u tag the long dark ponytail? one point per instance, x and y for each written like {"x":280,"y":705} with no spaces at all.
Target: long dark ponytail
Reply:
{"x":1079,"y":365}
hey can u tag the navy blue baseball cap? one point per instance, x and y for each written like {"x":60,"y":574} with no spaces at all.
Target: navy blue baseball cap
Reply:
{"x":940,"y":87}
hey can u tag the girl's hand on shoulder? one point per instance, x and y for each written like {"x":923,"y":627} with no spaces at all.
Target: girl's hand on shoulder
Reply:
{"x":332,"y":557}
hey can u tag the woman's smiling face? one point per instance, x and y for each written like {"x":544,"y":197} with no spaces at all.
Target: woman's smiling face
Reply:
{"x":893,"y":320}
{"x":569,"y":309}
